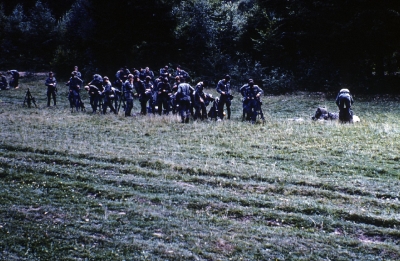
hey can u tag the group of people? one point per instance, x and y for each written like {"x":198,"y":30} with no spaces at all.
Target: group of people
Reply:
{"x":169,"y":92}
{"x":165,"y":94}
{"x":13,"y":81}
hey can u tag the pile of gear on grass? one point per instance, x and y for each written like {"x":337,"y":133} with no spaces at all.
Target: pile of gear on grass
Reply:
{"x":344,"y":101}
{"x":13,"y":82}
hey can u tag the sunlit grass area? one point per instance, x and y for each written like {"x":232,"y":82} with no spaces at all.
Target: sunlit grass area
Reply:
{"x":77,"y":186}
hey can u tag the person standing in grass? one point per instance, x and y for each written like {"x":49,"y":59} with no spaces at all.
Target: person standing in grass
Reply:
{"x":173,"y":101}
{"x":94,"y":96}
{"x":97,"y":81}
{"x":224,"y":88}
{"x":147,"y":96}
{"x":74,"y":97}
{"x":200,"y":99}
{"x":109,"y":96}
{"x":344,"y":100}
{"x":164,"y":96}
{"x":140,"y":91}
{"x":120,"y":78}
{"x":242,"y":91}
{"x":128,"y":95}
{"x":3,"y":82}
{"x":252,"y":98}
{"x":51,"y":84}
{"x":183,"y":97}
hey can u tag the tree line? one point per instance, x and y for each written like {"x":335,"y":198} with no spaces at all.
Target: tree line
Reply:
{"x":284,"y":45}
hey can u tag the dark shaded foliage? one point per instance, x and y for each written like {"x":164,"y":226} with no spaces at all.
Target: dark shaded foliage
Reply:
{"x":284,"y":45}
{"x":328,"y":43}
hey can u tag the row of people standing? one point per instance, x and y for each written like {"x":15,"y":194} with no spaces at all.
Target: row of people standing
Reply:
{"x":158,"y":95}
{"x":161,"y":95}
{"x":189,"y":100}
{"x":158,"y":92}
{"x":122,"y":74}
{"x":127,"y":87}
{"x":74,"y":83}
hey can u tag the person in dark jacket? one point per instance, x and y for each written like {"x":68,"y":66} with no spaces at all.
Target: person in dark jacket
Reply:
{"x":252,"y":97}
{"x":181,"y":73}
{"x":3,"y":82}
{"x":74,"y":97}
{"x":164,"y":72}
{"x":183,"y":97}
{"x":344,"y":101}
{"x":108,"y":95}
{"x":213,"y":112}
{"x":173,"y":101}
{"x":76,"y":70}
{"x":94,"y":96}
{"x":51,"y":84}
{"x":147,"y":96}
{"x":224,"y":89}
{"x":97,"y":81}
{"x":163,"y":96}
{"x":242,"y":91}
{"x":141,"y":93}
{"x":200,"y":100}
{"x":148,"y":72}
{"x":14,"y":81}
{"x":126,"y":70}
{"x":120,"y":78}
{"x":128,"y":89}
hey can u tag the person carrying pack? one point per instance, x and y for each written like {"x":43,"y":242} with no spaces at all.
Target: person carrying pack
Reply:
{"x":183,"y":97}
{"x":344,"y":101}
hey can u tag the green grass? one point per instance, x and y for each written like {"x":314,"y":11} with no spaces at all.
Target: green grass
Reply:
{"x":76,"y":186}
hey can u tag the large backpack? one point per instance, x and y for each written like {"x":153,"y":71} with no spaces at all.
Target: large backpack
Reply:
{"x":183,"y":92}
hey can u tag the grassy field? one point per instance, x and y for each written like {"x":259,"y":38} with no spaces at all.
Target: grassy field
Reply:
{"x":77,"y":186}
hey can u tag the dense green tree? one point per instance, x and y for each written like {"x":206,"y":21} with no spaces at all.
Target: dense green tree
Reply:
{"x":133,"y":33}
{"x":13,"y":42}
{"x":104,"y":36}
{"x":285,"y":45}
{"x":58,"y":7}
{"x":207,"y":34}
{"x":74,"y":31}
{"x":3,"y":21}
{"x":326,"y":43}
{"x":28,"y":40}
{"x":40,"y":31}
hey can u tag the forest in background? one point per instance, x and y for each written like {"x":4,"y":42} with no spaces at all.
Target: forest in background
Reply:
{"x":285,"y":46}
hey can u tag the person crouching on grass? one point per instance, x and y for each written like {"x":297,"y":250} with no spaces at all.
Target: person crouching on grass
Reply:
{"x":344,"y":100}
